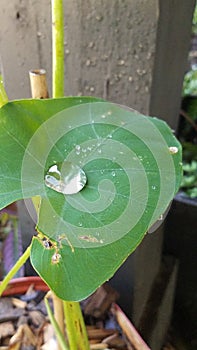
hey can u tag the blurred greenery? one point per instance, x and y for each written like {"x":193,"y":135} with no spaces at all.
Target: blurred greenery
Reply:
{"x":189,"y":182}
{"x":187,"y":131}
{"x":194,"y":22}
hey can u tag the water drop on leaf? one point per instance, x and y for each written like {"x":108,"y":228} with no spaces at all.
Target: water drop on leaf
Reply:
{"x":66,"y":178}
{"x":173,"y":150}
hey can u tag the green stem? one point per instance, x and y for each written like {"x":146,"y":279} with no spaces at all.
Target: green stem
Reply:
{"x":58,"y":47}
{"x":3,"y":95}
{"x":55,"y":325}
{"x":76,"y":330}
{"x":21,"y":261}
{"x":75,"y":326}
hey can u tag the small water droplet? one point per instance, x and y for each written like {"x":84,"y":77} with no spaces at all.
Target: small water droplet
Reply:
{"x":153,"y":187}
{"x":77,"y":147}
{"x":99,"y":151}
{"x":80,"y":224}
{"x":173,"y":150}
{"x":66,"y":178}
{"x":113,"y":173}
{"x":160,"y":217}
{"x":56,"y":258}
{"x":103,"y":116}
{"x":121,"y":62}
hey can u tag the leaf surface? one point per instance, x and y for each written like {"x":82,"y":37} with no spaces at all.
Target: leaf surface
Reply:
{"x":133,"y":169}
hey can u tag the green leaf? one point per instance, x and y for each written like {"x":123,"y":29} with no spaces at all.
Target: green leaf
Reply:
{"x":19,"y":121}
{"x":133,"y":169}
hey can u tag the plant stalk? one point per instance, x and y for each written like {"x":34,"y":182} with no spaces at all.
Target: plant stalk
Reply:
{"x":58,"y":48}
{"x":76,"y":330}
{"x":21,"y":261}
{"x":75,"y":326}
{"x":39,"y":90}
{"x":3,"y":95}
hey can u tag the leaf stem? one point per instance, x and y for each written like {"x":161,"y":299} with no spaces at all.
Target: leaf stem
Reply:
{"x":3,"y":95}
{"x":58,"y":48}
{"x":75,"y":326}
{"x":21,"y":261}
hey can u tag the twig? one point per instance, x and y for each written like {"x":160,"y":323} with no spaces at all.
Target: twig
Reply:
{"x":188,"y":118}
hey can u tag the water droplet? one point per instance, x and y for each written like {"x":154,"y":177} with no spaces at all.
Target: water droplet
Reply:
{"x":153,"y":187}
{"x":103,"y":116}
{"x":56,"y":258}
{"x":160,"y":217}
{"x":121,"y":62}
{"x":99,"y":151}
{"x":173,"y":150}
{"x":77,"y":147}
{"x":113,"y":173}
{"x":66,"y":178}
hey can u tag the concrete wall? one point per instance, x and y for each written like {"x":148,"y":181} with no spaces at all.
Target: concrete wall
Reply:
{"x":109,"y":47}
{"x":171,"y":53}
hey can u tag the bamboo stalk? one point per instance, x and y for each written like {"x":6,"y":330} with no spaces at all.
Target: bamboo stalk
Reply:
{"x":129,"y":330}
{"x":60,"y":337}
{"x":38,"y":83}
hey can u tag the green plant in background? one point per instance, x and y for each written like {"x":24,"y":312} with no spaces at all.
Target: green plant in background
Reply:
{"x":104,"y":175}
{"x":190,"y":82}
{"x":189,"y":182}
{"x":187,"y":132}
{"x":194,"y":22}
